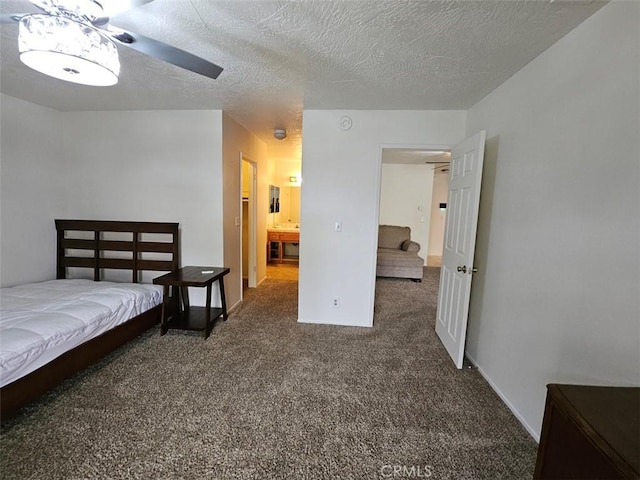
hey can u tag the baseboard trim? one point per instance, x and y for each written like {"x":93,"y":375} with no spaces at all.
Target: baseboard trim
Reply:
{"x":337,"y":324}
{"x":505,"y":400}
{"x":234,"y":306}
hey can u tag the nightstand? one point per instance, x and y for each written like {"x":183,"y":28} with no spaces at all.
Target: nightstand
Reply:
{"x":176,"y":311}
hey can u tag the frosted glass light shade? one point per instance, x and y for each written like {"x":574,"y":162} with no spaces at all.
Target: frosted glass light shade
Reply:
{"x":89,"y":9}
{"x":69,"y":50}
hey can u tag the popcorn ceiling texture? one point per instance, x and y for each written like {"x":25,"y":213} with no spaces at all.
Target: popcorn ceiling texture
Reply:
{"x":267,"y":398}
{"x":283,"y":56}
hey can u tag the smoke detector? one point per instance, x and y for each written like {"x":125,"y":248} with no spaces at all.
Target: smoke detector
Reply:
{"x":280,"y":133}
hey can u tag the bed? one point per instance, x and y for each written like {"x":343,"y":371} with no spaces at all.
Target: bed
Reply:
{"x":54,"y":329}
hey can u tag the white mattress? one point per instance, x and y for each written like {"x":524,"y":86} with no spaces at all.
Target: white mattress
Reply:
{"x":41,"y":321}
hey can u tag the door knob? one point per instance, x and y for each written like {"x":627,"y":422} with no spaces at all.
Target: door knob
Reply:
{"x":462,"y":269}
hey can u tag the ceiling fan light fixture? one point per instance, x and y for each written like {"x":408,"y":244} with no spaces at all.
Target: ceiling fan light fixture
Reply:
{"x":83,"y":10}
{"x":68,"y":50}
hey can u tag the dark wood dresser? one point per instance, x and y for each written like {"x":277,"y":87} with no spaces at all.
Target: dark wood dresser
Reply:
{"x":590,"y":433}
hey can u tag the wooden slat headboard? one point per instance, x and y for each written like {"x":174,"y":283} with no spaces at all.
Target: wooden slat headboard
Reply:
{"x":99,"y":246}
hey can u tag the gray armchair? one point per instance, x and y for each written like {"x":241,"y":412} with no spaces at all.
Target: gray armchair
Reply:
{"x":398,"y":254}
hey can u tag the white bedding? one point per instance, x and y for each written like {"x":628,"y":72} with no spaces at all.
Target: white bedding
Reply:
{"x":41,"y":321}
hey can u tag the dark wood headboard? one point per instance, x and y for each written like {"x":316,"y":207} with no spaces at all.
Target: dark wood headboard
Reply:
{"x":134,"y":249}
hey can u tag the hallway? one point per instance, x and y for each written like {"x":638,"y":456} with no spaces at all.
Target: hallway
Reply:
{"x":282,"y":271}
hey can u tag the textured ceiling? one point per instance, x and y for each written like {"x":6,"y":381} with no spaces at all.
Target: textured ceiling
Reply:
{"x":282,"y":56}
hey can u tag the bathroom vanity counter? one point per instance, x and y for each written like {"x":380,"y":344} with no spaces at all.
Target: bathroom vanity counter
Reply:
{"x":282,"y":244}
{"x":284,"y":230}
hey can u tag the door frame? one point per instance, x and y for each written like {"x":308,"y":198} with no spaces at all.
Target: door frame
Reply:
{"x":381,"y":147}
{"x":252,"y":223}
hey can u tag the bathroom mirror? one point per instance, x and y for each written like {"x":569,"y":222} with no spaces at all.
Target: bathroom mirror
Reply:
{"x":289,"y":207}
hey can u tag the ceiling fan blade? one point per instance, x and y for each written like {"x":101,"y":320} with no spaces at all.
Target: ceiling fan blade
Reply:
{"x":11,"y":17}
{"x":165,"y":52}
{"x":114,"y":7}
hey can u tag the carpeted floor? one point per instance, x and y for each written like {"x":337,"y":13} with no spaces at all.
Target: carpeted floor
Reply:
{"x":267,"y":398}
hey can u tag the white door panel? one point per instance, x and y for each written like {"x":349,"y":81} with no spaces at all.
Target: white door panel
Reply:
{"x":459,"y":244}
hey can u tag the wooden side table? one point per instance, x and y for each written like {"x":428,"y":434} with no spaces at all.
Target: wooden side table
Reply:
{"x":590,"y":432}
{"x":176,"y":311}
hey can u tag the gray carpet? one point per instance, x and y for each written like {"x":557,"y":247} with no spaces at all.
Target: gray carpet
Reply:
{"x":267,"y":398}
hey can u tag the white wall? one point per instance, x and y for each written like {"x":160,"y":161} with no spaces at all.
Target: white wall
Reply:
{"x":341,"y":178}
{"x":150,"y":166}
{"x":285,"y":167}
{"x":125,"y":165}
{"x":438,"y":217}
{"x":236,"y":141}
{"x":403,"y":190}
{"x":32,"y":190}
{"x":558,"y":249}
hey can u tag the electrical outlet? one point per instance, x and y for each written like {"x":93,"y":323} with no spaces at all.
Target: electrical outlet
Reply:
{"x":335,"y":302}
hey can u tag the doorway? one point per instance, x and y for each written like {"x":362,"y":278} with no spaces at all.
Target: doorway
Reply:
{"x":248,"y":209}
{"x":438,"y":214}
{"x":283,"y":231}
{"x":413,"y":193}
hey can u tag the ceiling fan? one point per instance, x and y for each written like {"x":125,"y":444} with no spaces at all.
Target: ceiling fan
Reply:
{"x":72,"y":40}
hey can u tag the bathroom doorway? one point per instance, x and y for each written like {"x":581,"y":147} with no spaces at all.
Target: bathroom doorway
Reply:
{"x":248,"y":211}
{"x":284,"y":234}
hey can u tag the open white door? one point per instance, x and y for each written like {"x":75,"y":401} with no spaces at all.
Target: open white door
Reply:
{"x":459,"y":244}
